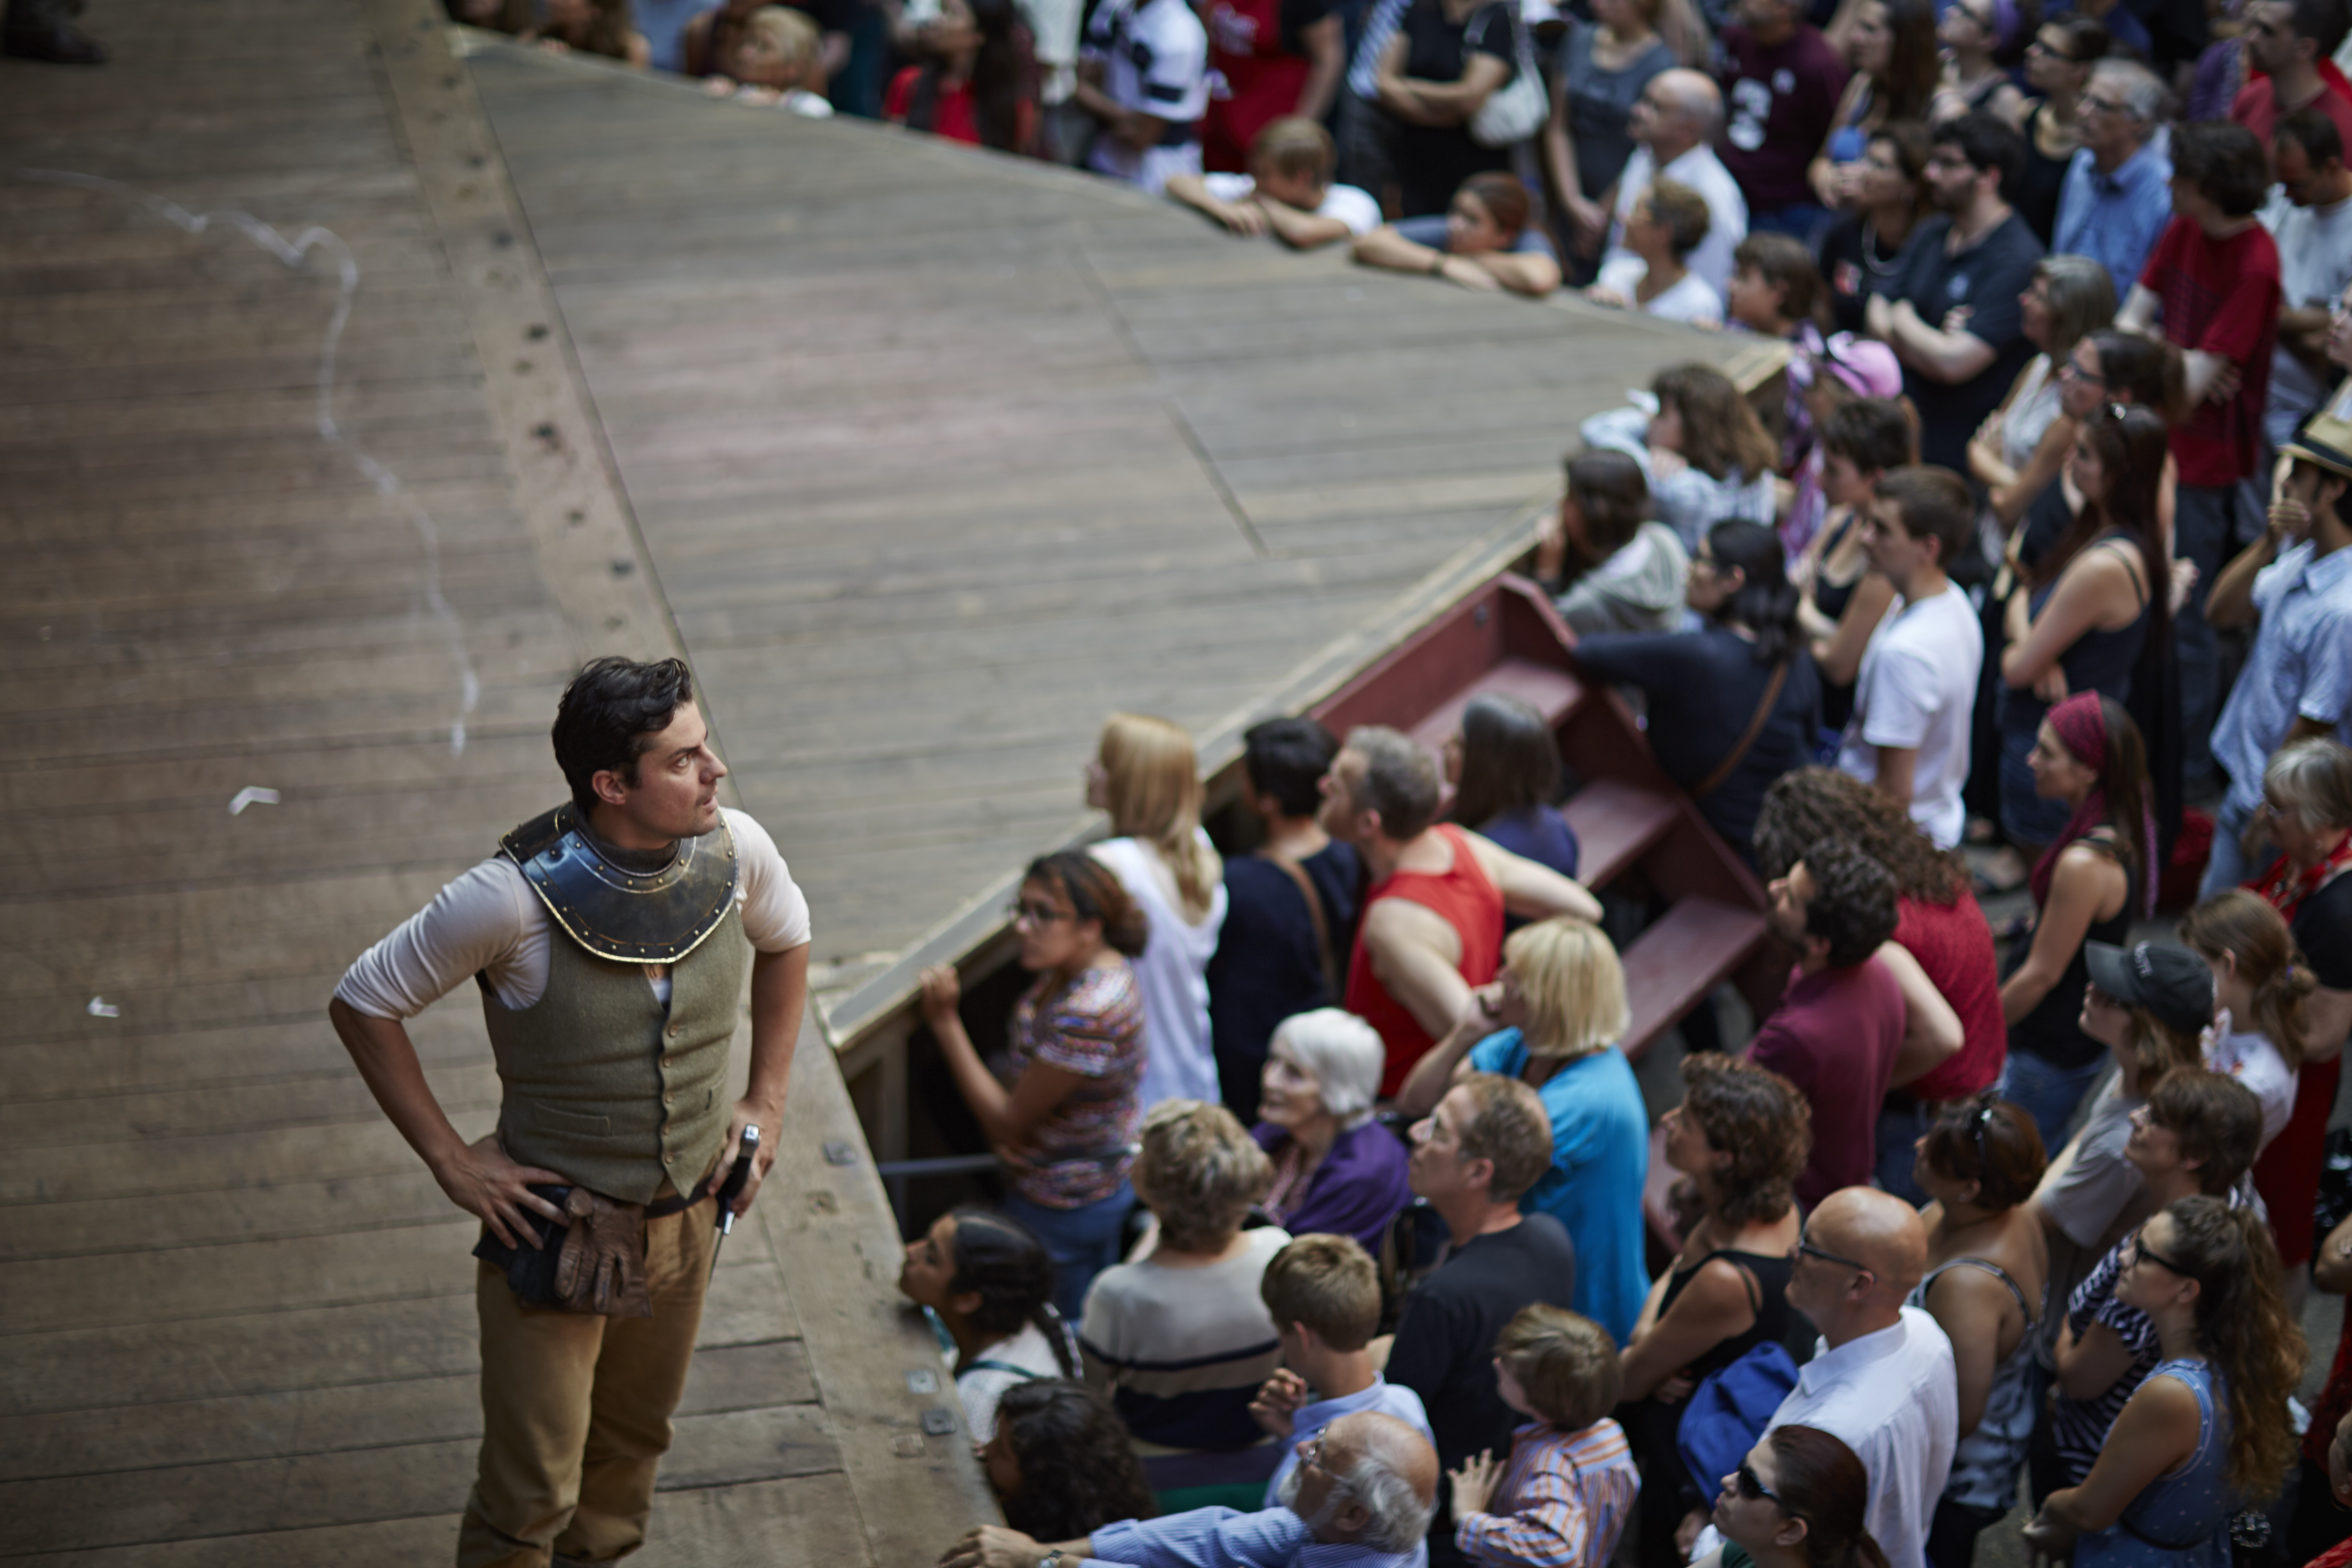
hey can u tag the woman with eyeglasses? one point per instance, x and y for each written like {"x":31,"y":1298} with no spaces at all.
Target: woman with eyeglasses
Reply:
{"x":1799,"y":1500}
{"x":2195,"y":1135}
{"x":1987,"y":1266}
{"x":1062,"y":1115}
{"x":2057,"y":66}
{"x":2209,"y":1432}
{"x":2022,"y":445}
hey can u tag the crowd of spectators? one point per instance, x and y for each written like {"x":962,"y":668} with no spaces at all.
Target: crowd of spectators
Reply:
{"x":1328,"y":1228}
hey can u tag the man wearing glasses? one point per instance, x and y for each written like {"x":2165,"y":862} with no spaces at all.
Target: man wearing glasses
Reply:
{"x":2118,"y":197}
{"x":1882,"y":1379}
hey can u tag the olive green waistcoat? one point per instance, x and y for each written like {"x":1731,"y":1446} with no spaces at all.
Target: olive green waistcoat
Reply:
{"x":603,"y":1084}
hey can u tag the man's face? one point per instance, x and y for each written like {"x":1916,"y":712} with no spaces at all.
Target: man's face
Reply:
{"x":1323,"y":1457}
{"x":1894,"y":553}
{"x":1339,"y":816}
{"x":1435,"y":1169}
{"x":2304,"y":184}
{"x":2109,"y":128}
{"x":2270,"y":36}
{"x":676,"y":795}
{"x":1951,"y":179}
{"x":1791,"y":895}
{"x":1654,"y":114}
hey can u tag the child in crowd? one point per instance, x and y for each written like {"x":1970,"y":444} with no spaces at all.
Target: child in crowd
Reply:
{"x":1287,"y":192}
{"x":1143,"y":74}
{"x":1323,"y":1293}
{"x":1483,"y":243}
{"x":1561,"y":1497}
{"x":778,"y":59}
{"x":1669,"y":221}
{"x":1775,"y":289}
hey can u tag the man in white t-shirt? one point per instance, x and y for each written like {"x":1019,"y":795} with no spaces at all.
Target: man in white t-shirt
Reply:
{"x":1674,"y":125}
{"x":2314,"y":247}
{"x":1288,"y":191}
{"x":1144,"y":76}
{"x":1911,"y":701}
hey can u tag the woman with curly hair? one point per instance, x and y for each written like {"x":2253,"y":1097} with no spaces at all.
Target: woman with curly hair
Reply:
{"x":1987,"y":1266}
{"x":1939,"y":926}
{"x":1740,"y":1136}
{"x":1062,"y":1464}
{"x":990,"y":1284}
{"x":2209,"y":1432}
{"x":1074,"y":1064}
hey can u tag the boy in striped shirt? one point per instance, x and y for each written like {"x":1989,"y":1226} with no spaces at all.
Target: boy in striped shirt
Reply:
{"x":1562,"y":1496}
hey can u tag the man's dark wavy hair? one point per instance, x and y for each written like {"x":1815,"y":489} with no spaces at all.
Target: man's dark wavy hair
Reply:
{"x":1852,"y":904}
{"x":608,"y":716}
{"x":1078,"y":1469}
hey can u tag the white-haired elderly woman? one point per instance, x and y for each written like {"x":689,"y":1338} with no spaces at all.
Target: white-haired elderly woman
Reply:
{"x":1552,"y":1020}
{"x":1335,"y":1170}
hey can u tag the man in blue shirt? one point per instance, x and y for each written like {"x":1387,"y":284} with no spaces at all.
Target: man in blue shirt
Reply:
{"x":2295,"y":582}
{"x":2117,"y":197}
{"x":1361,"y":1497}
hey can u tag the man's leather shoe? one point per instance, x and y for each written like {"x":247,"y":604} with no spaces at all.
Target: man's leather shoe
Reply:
{"x":59,"y":43}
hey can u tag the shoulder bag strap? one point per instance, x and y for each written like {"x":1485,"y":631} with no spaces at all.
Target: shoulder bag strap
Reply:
{"x":1315,"y":915}
{"x":1739,"y":753}
{"x":1023,"y":1373}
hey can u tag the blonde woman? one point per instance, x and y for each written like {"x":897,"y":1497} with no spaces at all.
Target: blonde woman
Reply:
{"x":1552,"y":1020}
{"x":1144,"y":774}
{"x":1180,"y":1339}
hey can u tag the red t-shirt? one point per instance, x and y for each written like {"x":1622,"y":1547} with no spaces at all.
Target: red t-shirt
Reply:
{"x":1954,"y":946}
{"x":1835,"y":1038}
{"x":951,"y":115}
{"x":2256,"y":108}
{"x":2221,"y":296}
{"x":1468,"y":900}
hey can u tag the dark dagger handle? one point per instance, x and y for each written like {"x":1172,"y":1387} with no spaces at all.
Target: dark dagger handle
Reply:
{"x":738,"y":1173}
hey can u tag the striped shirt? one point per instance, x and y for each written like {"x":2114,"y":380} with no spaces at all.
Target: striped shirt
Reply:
{"x":1221,"y":1538}
{"x":1562,"y":1500}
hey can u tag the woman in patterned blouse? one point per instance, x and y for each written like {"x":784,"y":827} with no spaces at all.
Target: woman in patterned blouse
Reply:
{"x":1060,"y":1109}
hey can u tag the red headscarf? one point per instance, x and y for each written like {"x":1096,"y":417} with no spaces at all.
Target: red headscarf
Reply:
{"x":2081,"y":725}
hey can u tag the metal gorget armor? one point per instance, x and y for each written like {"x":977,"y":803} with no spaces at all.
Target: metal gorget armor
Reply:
{"x":633,"y":917}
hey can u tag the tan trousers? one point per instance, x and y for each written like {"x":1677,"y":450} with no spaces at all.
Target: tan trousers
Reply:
{"x":576,"y":1409}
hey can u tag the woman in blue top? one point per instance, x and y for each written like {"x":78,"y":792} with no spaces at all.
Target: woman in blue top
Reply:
{"x":2208,"y":1433}
{"x":1552,"y":1020}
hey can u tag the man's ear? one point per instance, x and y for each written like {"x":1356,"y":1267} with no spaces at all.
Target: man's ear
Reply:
{"x":1352,"y":1515}
{"x":609,"y":786}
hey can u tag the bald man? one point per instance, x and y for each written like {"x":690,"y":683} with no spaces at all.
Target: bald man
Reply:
{"x":1881,"y":1377}
{"x":1361,"y":1496}
{"x":1674,"y":125}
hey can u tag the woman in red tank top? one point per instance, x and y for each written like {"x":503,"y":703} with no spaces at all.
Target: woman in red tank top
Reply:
{"x":1276,"y":57}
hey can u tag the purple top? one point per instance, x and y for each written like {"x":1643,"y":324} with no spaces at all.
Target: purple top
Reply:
{"x":1834,"y":1036}
{"x":1358,"y":1189}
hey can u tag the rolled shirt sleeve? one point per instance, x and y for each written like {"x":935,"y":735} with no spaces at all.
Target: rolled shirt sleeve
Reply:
{"x":479,"y":925}
{"x":775,"y":911}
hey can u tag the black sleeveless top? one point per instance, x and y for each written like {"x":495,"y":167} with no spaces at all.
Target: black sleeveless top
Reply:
{"x":1767,"y":1297}
{"x":2053,"y":1030}
{"x":1831,"y":599}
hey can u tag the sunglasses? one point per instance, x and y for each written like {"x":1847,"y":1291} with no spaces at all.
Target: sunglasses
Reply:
{"x":1753,"y":1489}
{"x":1037,"y":914}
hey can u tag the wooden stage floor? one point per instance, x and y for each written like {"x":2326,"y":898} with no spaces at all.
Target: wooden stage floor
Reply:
{"x":352,"y":392}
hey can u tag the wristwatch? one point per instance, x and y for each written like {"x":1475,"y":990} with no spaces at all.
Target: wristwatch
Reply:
{"x":1055,"y":1557}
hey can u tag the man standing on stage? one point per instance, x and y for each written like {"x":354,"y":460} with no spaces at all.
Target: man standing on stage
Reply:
{"x":609,"y":938}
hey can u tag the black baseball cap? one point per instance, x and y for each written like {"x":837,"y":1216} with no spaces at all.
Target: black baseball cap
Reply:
{"x":2171,"y":981}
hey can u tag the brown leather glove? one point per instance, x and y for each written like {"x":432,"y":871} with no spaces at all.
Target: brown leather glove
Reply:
{"x":602,"y":1269}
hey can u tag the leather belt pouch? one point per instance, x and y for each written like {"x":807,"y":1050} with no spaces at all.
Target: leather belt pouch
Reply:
{"x":591,"y":1261}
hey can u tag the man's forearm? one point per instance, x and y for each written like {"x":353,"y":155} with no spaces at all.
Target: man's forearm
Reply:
{"x":778,"y":995}
{"x":387,"y":1058}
